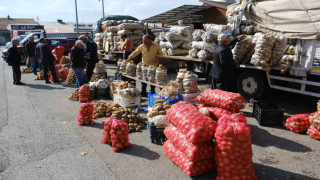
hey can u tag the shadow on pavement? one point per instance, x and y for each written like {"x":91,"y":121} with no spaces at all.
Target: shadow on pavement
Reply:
{"x":267,"y":172}
{"x":68,"y":85}
{"x":141,"y":151}
{"x":40,"y":86}
{"x":97,"y":125}
{"x":209,"y":175}
{"x":263,"y":138}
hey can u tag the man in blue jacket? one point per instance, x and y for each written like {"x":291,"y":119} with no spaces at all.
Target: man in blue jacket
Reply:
{"x":224,"y":67}
{"x":14,"y":60}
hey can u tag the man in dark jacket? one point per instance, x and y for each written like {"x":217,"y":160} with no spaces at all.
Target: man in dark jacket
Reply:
{"x":91,"y":51}
{"x":14,"y":60}
{"x":224,"y":67}
{"x":78,"y":62}
{"x":30,"y":50}
{"x":45,"y":56}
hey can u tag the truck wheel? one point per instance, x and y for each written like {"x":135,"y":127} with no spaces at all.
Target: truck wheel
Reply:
{"x":251,"y":84}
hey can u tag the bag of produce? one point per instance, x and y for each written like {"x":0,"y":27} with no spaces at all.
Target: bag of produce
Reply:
{"x":177,"y":52}
{"x":63,"y":73}
{"x":298,"y":123}
{"x":65,"y":60}
{"x":151,"y":74}
{"x":130,"y":26}
{"x":173,"y":36}
{"x":172,"y":44}
{"x":263,"y":49}
{"x":171,"y":90}
{"x":194,"y":125}
{"x":131,"y":69}
{"x":86,"y":114}
{"x":164,"y":51}
{"x":233,"y":151}
{"x":242,"y":49}
{"x":314,"y":120}
{"x":181,"y":73}
{"x":84,"y":94}
{"x":186,"y":46}
{"x":194,"y":152}
{"x":159,"y":121}
{"x":235,"y":117}
{"x":124,"y":32}
{"x":314,"y":133}
{"x":217,"y":28}
{"x":203,"y":54}
{"x":209,"y":37}
{"x":139,"y":71}
{"x":113,"y":29}
{"x":180,"y":30}
{"x":278,"y":50}
{"x":138,"y":32}
{"x":233,"y":102}
{"x":119,"y":135}
{"x":215,"y":112}
{"x":123,"y":66}
{"x":161,"y":75}
{"x":144,"y":72}
{"x":190,"y":83}
{"x":196,"y":35}
{"x":160,"y":108}
{"x":193,"y":53}
{"x":200,"y":45}
{"x":162,"y":36}
{"x":106,"y":131}
{"x":191,"y":168}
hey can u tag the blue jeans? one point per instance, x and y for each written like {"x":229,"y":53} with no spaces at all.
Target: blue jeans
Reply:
{"x":33,"y":65}
{"x":79,"y":76}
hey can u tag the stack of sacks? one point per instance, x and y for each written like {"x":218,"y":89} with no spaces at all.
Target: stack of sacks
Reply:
{"x":190,"y":83}
{"x":242,"y":52}
{"x":113,"y":30}
{"x":278,"y":50}
{"x":196,"y":37}
{"x":220,"y":102}
{"x":190,"y":139}
{"x":99,"y":40}
{"x":263,"y":49}
{"x":176,"y":42}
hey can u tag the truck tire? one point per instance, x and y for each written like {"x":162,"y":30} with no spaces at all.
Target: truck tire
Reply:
{"x":251,"y":84}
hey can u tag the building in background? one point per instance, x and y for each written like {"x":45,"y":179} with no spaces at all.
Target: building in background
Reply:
{"x":65,"y":27}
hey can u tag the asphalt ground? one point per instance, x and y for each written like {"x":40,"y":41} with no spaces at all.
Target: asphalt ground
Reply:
{"x":40,"y":139}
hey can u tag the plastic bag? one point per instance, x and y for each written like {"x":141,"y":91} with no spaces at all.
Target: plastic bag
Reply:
{"x":194,"y":152}
{"x":131,"y":69}
{"x":162,"y":36}
{"x":233,"y":151}
{"x":161,"y":75}
{"x":145,"y":72}
{"x":124,"y":32}
{"x":106,"y":131}
{"x":233,"y":102}
{"x":151,"y":74}
{"x":314,"y":133}
{"x":164,"y":51}
{"x":278,"y":50}
{"x":190,"y":83}
{"x":128,"y":92}
{"x":100,"y":68}
{"x":215,"y":112}
{"x":84,"y":93}
{"x":298,"y":123}
{"x":193,"y":53}
{"x":209,"y":37}
{"x":119,"y":135}
{"x":86,"y":113}
{"x":204,"y":46}
{"x":181,"y":73}
{"x":263,"y":49}
{"x":159,"y":120}
{"x":123,"y":66}
{"x":196,"y":35}
{"x":180,"y":30}
{"x":130,"y":26}
{"x":139,"y":71}
{"x":203,"y":54}
{"x":242,"y":49}
{"x":191,"y":168}
{"x":173,"y":36}
{"x":177,"y":52}
{"x":217,"y":28}
{"x":172,"y":44}
{"x":194,"y":125}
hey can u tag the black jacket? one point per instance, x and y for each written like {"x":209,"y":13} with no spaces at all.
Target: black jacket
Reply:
{"x":223,"y":64}
{"x":30,"y":49}
{"x":14,"y":57}
{"x":77,"y":57}
{"x":43,"y":53}
{"x":91,"y":49}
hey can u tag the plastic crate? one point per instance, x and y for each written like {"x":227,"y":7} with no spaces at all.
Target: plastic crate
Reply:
{"x":268,"y":114}
{"x":152,"y":99}
{"x":156,"y":133}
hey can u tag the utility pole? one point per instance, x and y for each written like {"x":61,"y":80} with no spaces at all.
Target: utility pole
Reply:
{"x":77,"y":16}
{"x":102,"y":8}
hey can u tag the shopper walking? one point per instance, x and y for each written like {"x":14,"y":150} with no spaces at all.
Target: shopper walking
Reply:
{"x":45,"y":56}
{"x":91,"y":56}
{"x":78,"y":62}
{"x":150,"y":50}
{"x":14,"y":60}
{"x":30,"y":50}
{"x":224,"y":67}
{"x":127,"y":46}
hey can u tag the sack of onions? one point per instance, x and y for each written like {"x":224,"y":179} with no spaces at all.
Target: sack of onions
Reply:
{"x":215,"y":112}
{"x":119,"y":135}
{"x":314,"y":133}
{"x":298,"y":123}
{"x":106,"y":130}
{"x":86,"y":114}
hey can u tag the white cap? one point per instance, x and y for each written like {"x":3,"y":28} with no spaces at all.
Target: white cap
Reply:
{"x":79,"y":42}
{"x":222,"y":37}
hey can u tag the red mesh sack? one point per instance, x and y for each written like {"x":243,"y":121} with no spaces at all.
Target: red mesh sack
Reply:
{"x":63,"y":74}
{"x":119,"y":135}
{"x":191,"y":168}
{"x":298,"y":123}
{"x":58,"y":53}
{"x":84,"y":93}
{"x":314,"y":133}
{"x":194,"y":125}
{"x":233,"y":151}
{"x":85,"y":114}
{"x":236,"y":117}
{"x":314,"y":120}
{"x":194,"y":152}
{"x":106,"y":130}
{"x":215,"y":112}
{"x":227,"y":100}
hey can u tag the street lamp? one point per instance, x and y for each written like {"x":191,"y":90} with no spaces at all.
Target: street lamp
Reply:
{"x":102,"y":8}
{"x":77,"y":16}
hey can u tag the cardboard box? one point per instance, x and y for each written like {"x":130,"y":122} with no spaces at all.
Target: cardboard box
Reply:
{"x":127,"y":102}
{"x":113,"y":87}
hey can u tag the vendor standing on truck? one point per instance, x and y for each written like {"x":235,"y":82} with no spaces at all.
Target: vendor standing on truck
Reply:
{"x":150,"y":50}
{"x":224,"y":67}
{"x":30,"y":49}
{"x":127,"y":46}
{"x":92,"y":53}
{"x":14,"y":60}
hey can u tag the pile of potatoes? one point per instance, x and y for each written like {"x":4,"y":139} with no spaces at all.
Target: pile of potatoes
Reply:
{"x":75,"y":96}
{"x":40,"y":75}
{"x":160,"y":108}
{"x":96,"y":77}
{"x":126,"y":85}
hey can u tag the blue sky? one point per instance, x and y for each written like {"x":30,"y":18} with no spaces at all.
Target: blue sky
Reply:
{"x":88,"y":10}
